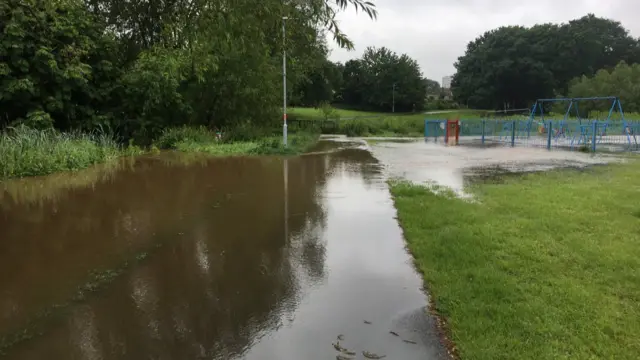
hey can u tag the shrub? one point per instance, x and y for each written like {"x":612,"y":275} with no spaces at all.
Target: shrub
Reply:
{"x":172,"y":136}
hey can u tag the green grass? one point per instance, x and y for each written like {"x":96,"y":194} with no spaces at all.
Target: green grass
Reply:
{"x":316,"y":114}
{"x":542,"y":266}
{"x":202,"y":140}
{"x":362,"y":123}
{"x":30,"y":152}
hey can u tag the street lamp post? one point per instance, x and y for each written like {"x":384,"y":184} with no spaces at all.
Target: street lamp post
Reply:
{"x":393,"y":96}
{"x":284,"y":79}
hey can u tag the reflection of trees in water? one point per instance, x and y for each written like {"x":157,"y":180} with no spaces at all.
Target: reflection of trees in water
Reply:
{"x":228,"y":275}
{"x":357,"y":162}
{"x":37,"y":192}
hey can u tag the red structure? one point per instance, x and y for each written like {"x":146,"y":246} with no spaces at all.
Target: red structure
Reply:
{"x":452,"y":131}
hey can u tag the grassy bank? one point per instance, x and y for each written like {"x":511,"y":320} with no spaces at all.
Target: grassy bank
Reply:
{"x":29,"y":152}
{"x":361,"y":123}
{"x":202,"y":140}
{"x":543,"y":266}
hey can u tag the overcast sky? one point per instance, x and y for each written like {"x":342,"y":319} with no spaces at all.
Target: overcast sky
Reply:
{"x":436,"y":32}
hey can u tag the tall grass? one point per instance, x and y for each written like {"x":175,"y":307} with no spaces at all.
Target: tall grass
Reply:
{"x":30,"y":152}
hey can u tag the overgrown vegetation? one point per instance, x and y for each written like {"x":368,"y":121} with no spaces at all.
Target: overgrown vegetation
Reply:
{"x":29,"y":152}
{"x":138,"y":68}
{"x":524,"y":272}
{"x":206,"y":141}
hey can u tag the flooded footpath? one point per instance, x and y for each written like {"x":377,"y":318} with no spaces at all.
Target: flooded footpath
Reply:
{"x":176,"y":257}
{"x":455,"y":167}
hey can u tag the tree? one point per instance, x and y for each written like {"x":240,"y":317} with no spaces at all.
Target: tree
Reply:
{"x":432,"y":87}
{"x":379,"y":78}
{"x":622,"y":81}
{"x":139,"y":66}
{"x":512,"y":66}
{"x":322,"y":85}
{"x":55,"y":64}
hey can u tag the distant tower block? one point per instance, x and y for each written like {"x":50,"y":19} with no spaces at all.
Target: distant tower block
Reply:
{"x":446,"y":82}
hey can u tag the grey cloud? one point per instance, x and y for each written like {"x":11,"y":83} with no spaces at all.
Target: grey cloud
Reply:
{"x":436,"y":32}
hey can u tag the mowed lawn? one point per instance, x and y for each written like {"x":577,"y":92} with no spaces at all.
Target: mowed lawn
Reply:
{"x":361,"y":123}
{"x":541,"y":266}
{"x":313,"y":113}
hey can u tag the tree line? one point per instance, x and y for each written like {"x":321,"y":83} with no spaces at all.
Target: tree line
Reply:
{"x":512,"y":66}
{"x":136,"y":67}
{"x":381,"y":80}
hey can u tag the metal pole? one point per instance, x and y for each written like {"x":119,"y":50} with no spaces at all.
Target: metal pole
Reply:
{"x":549,"y":130}
{"x":513,"y":133}
{"x":594,"y":129}
{"x":393,"y":96}
{"x":484,"y":123}
{"x":284,"y":80}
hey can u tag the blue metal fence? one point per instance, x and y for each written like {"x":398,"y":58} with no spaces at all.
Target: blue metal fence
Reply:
{"x":583,"y":135}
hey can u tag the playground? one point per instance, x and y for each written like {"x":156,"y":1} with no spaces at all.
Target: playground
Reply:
{"x":573,"y":125}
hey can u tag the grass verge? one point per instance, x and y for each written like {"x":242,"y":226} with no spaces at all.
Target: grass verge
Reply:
{"x":202,"y":140}
{"x":542,"y":266}
{"x":31,"y":152}
{"x":363,"y":124}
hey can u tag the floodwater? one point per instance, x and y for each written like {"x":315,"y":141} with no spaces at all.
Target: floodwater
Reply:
{"x":455,"y":166}
{"x":175,"y":257}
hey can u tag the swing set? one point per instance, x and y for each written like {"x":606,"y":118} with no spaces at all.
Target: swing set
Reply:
{"x":583,"y":131}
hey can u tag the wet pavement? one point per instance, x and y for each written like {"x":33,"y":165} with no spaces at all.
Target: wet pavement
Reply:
{"x":184,"y":257}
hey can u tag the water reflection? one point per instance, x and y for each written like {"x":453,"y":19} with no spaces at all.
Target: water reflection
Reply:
{"x":226,"y":268}
{"x":245,"y":241}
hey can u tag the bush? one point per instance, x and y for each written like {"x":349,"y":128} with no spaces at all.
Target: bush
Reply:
{"x":247,"y":132}
{"x":441,"y":104}
{"x":328,"y":111}
{"x":172,"y":136}
{"x":354,"y":128}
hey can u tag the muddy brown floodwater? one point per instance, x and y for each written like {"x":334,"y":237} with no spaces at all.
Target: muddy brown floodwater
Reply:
{"x":175,"y":257}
